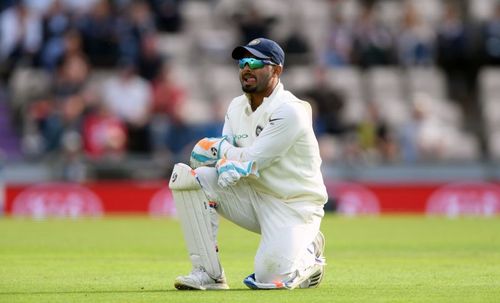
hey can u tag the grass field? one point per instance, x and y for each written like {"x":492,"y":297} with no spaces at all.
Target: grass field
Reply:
{"x":135,"y":259}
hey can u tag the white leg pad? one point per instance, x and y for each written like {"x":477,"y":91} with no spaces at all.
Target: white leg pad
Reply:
{"x":197,"y":219}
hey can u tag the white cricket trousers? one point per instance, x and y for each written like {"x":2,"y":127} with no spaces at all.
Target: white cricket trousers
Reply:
{"x":287,"y":229}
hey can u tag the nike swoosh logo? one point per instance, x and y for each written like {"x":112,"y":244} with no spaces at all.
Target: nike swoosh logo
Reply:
{"x":275,"y":119}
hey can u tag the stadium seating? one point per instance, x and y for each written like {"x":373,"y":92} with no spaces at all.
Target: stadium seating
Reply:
{"x":199,"y":61}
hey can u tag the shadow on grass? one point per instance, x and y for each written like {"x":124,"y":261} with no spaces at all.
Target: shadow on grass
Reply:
{"x":14,"y":293}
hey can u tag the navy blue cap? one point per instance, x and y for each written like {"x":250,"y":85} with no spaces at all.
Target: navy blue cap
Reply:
{"x":261,"y":48}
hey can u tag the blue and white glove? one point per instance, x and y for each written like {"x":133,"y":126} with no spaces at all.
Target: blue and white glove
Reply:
{"x":208,"y":150}
{"x":230,"y":171}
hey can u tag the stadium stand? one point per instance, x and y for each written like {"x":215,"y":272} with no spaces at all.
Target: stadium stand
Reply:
{"x":381,"y":57}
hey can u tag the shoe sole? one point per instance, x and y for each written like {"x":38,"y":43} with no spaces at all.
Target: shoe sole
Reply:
{"x":186,"y":286}
{"x":317,"y":278}
{"x":182,"y":286}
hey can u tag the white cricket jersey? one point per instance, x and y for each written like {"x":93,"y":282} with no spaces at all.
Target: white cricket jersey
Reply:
{"x":279,"y":137}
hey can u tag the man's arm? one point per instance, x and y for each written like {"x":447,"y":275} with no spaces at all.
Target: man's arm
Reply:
{"x":284,"y":126}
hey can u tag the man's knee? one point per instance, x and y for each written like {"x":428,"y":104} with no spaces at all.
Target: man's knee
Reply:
{"x":271,"y":267}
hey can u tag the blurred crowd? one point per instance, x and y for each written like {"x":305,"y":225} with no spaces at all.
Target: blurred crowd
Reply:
{"x":133,"y":111}
{"x":106,"y":89}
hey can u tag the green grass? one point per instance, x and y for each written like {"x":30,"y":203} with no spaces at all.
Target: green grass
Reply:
{"x":135,"y":259}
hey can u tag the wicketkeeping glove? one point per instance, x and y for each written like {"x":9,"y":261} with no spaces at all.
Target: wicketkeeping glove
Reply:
{"x":230,"y":171}
{"x":208,"y":150}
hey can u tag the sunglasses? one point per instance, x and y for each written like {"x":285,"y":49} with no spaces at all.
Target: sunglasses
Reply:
{"x":254,"y":63}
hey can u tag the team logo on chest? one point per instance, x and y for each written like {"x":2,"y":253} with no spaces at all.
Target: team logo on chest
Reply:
{"x":258,"y":129}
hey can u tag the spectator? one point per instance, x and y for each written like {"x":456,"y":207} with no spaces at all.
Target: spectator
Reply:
{"x":297,"y":48}
{"x":70,"y":44}
{"x":150,"y":61}
{"x":458,"y":57}
{"x":169,"y":98}
{"x":100,"y":35}
{"x":168,"y":14}
{"x":129,"y":97}
{"x":491,"y":42}
{"x":104,"y":134}
{"x":451,"y":51}
{"x":20,"y":37}
{"x":373,"y":42}
{"x":252,"y":23}
{"x":56,"y":23}
{"x":415,"y":40}
{"x":328,"y":103}
{"x":339,"y":42}
{"x":375,"y":137}
{"x":63,"y":110}
{"x":6,"y":4}
{"x":422,"y":138}
{"x":133,"y":28}
{"x":79,"y":7}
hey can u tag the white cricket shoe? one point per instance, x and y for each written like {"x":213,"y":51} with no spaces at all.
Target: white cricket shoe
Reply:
{"x":319,"y":248}
{"x":198,"y":279}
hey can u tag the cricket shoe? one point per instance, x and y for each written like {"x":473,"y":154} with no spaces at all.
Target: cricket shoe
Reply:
{"x":317,"y":276}
{"x":319,"y":246}
{"x":199,"y":279}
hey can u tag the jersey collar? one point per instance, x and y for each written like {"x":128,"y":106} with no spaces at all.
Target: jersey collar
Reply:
{"x":276,"y":91}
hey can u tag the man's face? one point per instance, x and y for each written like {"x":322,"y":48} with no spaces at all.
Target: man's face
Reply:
{"x":255,"y":80}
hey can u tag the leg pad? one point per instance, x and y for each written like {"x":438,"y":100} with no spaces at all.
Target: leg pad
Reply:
{"x":197,"y":219}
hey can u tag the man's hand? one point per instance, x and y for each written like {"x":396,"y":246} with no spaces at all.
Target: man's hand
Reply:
{"x":208,"y":150}
{"x":231,"y":171}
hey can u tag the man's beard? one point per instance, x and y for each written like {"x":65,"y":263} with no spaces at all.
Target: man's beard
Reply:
{"x":259,"y":87}
{"x":250,"y":89}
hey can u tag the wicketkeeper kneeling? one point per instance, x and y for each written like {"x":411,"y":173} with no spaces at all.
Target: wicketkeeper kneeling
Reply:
{"x":264,"y":175}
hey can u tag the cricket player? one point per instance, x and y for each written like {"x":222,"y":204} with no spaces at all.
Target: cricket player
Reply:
{"x":264,"y":175}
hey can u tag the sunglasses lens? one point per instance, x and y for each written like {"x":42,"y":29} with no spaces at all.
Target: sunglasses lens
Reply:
{"x":253,"y":63}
